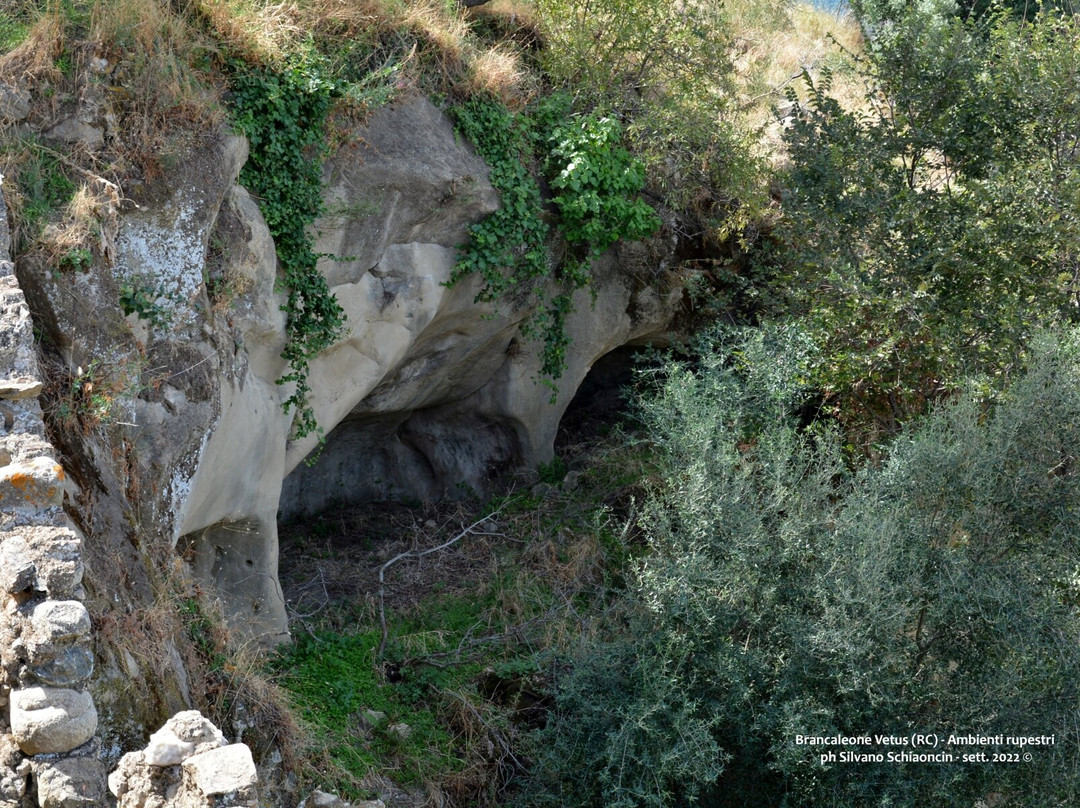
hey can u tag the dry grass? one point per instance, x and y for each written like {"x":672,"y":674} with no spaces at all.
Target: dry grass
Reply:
{"x":775,"y":51}
{"x":449,"y":52}
{"x":87,"y":223}
{"x":226,"y":680}
{"x":125,"y":63}
{"x":34,"y":60}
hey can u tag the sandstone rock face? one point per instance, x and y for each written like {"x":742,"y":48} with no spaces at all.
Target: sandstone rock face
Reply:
{"x":427,"y":393}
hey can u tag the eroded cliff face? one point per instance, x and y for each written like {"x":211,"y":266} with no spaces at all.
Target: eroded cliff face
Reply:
{"x":169,"y":418}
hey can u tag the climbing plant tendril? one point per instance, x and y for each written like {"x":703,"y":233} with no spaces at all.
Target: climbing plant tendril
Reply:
{"x":283,"y":114}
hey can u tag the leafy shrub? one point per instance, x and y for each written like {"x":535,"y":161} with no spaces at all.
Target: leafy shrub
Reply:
{"x":786,"y":595}
{"x":596,"y":184}
{"x":926,"y":239}
{"x":140,"y":298}
{"x":665,"y":70}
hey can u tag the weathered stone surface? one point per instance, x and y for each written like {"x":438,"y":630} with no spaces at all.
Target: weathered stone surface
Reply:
{"x":14,"y":769}
{"x":372,"y":719}
{"x":37,"y":483}
{"x":321,"y":799}
{"x":47,"y":719}
{"x":401,"y":730}
{"x":72,"y":130}
{"x":164,"y":247}
{"x":187,"y":764}
{"x":14,"y":103}
{"x":411,"y":181}
{"x":223,"y":770}
{"x":42,"y":558}
{"x":165,"y":749}
{"x":66,"y":667}
{"x":17,"y":389}
{"x":70,"y":783}
{"x":185,"y":734}
{"x":137,"y":785}
{"x":17,"y":569}
{"x":54,"y":621}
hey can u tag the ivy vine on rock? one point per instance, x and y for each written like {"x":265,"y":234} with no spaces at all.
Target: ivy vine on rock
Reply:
{"x":283,"y":114}
{"x":596,"y":184}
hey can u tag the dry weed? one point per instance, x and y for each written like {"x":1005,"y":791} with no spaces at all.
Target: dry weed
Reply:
{"x":258,"y":32}
{"x":34,"y":60}
{"x":431,"y":37}
{"x":499,"y":72}
{"x":775,"y":54}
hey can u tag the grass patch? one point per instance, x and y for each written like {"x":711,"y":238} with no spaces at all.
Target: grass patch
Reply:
{"x":13,"y":31}
{"x":475,"y":635}
{"x":415,"y":715}
{"x":333,"y":682}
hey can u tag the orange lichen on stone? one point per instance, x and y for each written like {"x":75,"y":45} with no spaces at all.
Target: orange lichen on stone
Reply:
{"x":33,"y":483}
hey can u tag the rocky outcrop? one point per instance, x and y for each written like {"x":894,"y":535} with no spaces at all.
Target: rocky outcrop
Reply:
{"x":47,"y":754}
{"x":165,"y":355}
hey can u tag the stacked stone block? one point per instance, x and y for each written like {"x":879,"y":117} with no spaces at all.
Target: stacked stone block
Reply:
{"x":48,"y":754}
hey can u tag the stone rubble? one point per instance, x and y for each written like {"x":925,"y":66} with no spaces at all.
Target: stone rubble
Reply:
{"x":186,"y":764}
{"x":322,"y":799}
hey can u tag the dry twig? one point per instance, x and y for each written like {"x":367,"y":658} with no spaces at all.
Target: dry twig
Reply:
{"x":418,"y":554}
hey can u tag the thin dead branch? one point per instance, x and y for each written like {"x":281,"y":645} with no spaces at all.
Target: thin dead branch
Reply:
{"x":418,"y":554}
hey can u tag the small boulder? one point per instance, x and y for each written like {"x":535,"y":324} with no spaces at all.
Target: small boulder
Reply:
{"x":165,"y":749}
{"x":42,"y":558}
{"x":20,"y":388}
{"x":372,"y":719}
{"x":17,"y":569}
{"x":65,"y":668}
{"x":72,"y":130}
{"x":401,"y":730}
{"x":37,"y":483}
{"x":222,"y":770}
{"x":14,"y":103}
{"x":45,"y":720}
{"x":70,"y":783}
{"x":58,"y":620}
{"x":321,"y":799}
{"x":192,"y":727}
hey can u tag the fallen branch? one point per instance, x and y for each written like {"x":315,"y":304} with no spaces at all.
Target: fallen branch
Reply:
{"x":418,"y":554}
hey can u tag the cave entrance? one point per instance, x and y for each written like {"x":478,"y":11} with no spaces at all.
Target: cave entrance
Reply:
{"x":600,"y":403}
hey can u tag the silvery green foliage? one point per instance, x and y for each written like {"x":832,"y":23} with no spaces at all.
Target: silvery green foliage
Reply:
{"x":784,"y":594}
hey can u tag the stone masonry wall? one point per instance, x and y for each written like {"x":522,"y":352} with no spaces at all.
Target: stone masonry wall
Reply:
{"x":49,"y":756}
